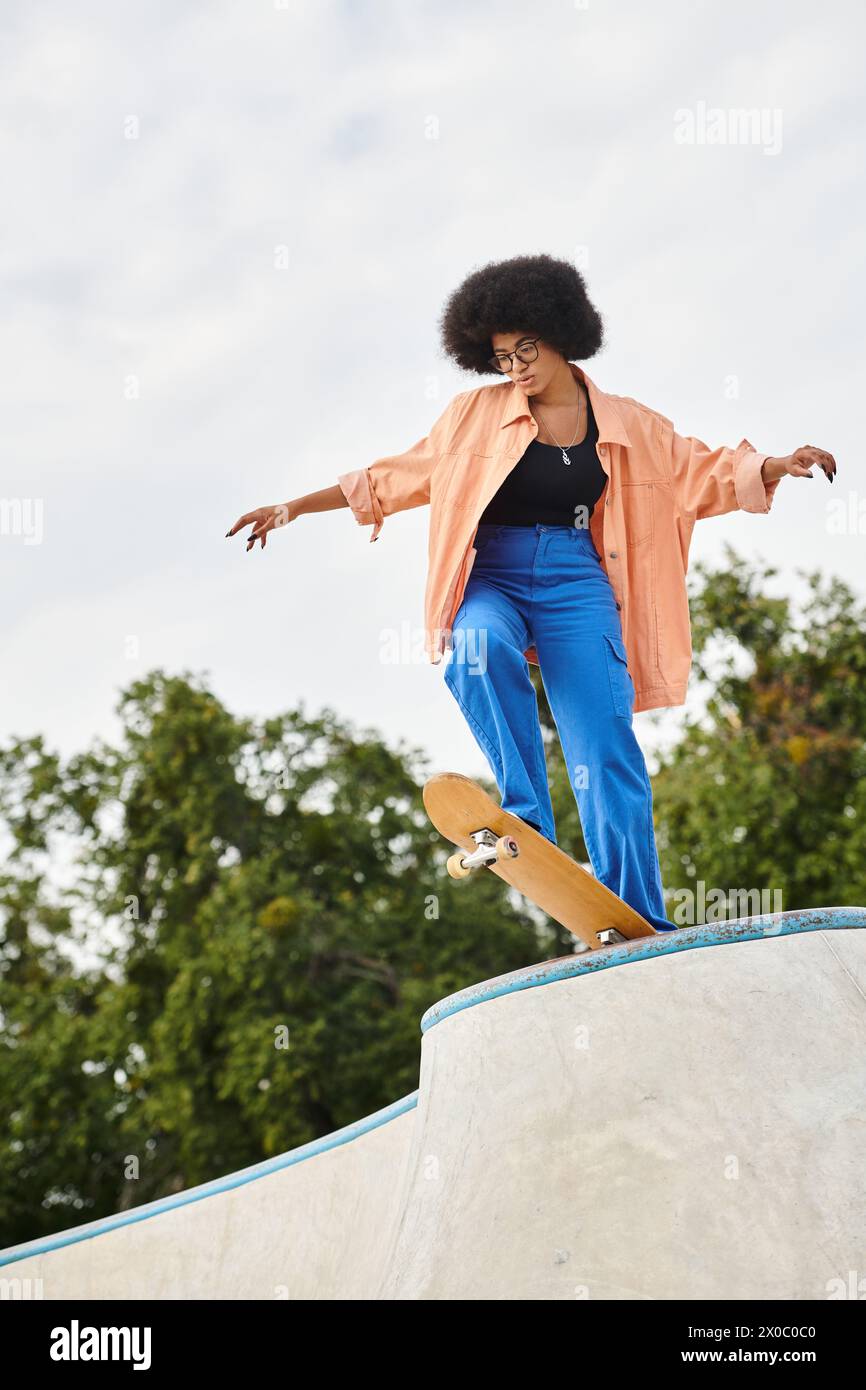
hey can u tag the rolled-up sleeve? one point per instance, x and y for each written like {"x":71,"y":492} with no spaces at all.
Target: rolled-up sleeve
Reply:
{"x":398,"y":481}
{"x":709,"y":482}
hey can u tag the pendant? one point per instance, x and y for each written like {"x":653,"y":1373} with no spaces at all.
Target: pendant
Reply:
{"x":565,"y":457}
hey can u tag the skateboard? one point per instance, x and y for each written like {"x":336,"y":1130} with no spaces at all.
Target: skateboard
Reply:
{"x":490,"y":837}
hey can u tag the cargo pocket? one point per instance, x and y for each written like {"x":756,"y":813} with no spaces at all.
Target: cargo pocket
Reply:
{"x":621,"y":684}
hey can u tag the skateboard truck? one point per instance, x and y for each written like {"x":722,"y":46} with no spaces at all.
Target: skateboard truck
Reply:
{"x":490,"y":848}
{"x":487,"y":836}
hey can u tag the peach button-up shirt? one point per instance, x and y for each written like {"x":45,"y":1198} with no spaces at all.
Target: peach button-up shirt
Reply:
{"x":659,"y":483}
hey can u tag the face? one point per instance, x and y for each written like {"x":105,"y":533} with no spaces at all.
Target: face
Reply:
{"x":532,"y":376}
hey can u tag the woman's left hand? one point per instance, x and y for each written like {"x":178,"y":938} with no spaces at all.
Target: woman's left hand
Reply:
{"x":803,"y":460}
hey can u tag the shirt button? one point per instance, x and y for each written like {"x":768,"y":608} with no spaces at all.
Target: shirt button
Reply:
{"x":614,"y":555}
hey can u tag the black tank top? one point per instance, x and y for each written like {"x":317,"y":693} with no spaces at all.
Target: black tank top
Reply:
{"x":542,"y":488}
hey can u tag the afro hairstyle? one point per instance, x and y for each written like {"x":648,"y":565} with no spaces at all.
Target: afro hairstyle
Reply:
{"x":539,"y":295}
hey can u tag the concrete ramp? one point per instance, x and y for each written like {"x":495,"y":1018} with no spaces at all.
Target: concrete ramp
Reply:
{"x":678,"y":1117}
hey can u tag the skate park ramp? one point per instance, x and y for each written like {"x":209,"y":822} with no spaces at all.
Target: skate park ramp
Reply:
{"x":677,"y":1117}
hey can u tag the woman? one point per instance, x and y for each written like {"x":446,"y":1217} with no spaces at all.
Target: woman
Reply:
{"x":560,"y":523}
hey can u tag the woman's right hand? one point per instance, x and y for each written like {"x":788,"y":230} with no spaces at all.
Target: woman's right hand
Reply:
{"x":263,"y":520}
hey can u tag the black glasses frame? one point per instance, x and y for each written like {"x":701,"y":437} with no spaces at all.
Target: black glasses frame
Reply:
{"x":518,"y":353}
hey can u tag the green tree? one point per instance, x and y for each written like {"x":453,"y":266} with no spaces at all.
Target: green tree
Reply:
{"x":227,"y":887}
{"x":767,"y":789}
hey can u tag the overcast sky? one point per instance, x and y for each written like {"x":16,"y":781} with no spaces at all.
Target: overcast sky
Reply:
{"x":229,"y":228}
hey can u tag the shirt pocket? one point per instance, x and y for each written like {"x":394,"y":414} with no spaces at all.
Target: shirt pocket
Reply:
{"x":637,"y":505}
{"x":465,"y":478}
{"x":621,"y":684}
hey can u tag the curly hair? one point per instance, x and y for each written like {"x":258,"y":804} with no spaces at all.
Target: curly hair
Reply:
{"x":527,"y":294}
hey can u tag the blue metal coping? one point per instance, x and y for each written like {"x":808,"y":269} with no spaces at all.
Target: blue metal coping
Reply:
{"x":647,"y":948}
{"x":210,"y":1189}
{"x":548,"y":972}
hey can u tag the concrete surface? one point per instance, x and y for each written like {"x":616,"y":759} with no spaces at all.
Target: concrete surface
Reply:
{"x":685,"y":1119}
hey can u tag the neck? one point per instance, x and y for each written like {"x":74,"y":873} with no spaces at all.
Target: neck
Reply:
{"x":563,"y":389}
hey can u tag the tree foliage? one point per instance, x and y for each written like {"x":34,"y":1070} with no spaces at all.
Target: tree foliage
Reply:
{"x":217,"y":941}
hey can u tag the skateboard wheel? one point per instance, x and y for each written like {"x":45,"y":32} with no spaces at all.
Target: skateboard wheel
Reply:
{"x":456,"y":867}
{"x":507,"y":847}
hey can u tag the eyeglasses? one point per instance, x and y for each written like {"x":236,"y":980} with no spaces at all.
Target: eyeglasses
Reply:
{"x":524,"y":352}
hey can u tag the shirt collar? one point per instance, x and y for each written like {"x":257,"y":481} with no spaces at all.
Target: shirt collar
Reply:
{"x":611,"y":429}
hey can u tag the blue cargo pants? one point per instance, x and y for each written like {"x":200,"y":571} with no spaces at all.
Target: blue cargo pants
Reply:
{"x":546,"y":585}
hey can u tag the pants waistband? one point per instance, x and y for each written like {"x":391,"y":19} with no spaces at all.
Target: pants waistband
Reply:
{"x":492,"y":528}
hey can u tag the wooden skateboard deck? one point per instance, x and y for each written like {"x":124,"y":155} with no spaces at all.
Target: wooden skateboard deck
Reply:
{"x":463,"y":812}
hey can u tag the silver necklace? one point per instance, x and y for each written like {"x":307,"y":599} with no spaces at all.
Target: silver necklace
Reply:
{"x":559,"y":446}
